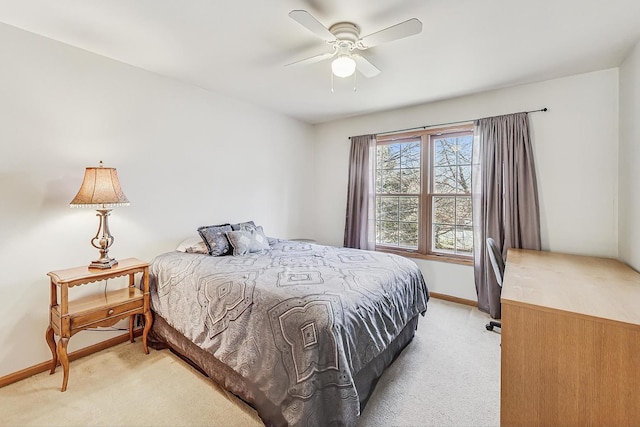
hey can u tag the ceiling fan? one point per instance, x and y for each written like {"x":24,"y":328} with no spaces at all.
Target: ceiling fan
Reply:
{"x":344,"y":38}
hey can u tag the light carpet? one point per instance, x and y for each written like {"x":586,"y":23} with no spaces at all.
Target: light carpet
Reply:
{"x":449,"y":375}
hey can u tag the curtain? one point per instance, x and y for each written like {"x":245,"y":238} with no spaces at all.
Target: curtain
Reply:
{"x":359,"y":229}
{"x":505,"y":198}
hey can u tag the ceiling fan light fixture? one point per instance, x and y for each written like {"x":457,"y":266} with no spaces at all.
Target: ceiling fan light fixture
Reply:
{"x":343,"y":66}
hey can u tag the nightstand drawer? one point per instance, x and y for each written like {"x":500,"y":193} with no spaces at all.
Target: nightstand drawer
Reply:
{"x":111,"y":312}
{"x":100,"y":307}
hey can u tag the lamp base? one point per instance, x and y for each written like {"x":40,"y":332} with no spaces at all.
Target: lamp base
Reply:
{"x":103,"y":264}
{"x":103,"y":242}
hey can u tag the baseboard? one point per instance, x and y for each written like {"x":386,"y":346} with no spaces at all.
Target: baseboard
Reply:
{"x":454,"y":299}
{"x":45,"y":366}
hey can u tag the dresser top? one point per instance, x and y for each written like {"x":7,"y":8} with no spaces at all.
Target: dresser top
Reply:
{"x":596,"y":287}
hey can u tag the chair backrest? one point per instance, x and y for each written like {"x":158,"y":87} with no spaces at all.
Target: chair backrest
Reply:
{"x":495,"y":255}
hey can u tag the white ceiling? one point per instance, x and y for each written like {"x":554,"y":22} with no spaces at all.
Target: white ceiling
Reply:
{"x":239,"y":47}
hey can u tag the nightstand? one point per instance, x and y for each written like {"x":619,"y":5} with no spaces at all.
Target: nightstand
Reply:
{"x":69,"y":317}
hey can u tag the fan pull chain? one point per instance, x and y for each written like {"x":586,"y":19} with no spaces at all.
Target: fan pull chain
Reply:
{"x":355,"y":82}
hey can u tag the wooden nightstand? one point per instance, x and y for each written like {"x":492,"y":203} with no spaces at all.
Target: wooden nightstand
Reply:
{"x":70,"y":317}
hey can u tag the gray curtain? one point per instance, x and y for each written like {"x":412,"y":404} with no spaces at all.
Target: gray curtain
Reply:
{"x":359,"y":231}
{"x":505,"y":198}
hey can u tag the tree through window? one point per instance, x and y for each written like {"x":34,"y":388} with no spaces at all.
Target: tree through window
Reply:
{"x":423,"y":192}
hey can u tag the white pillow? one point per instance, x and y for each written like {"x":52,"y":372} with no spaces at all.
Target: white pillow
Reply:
{"x":193,"y":245}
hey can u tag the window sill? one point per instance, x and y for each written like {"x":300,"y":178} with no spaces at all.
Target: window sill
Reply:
{"x":440,"y":258}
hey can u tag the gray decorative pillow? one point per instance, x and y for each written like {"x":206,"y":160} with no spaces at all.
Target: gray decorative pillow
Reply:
{"x":248,"y":241}
{"x":215,"y":239}
{"x":243,"y":226}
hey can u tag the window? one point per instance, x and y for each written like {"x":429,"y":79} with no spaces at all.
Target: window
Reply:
{"x":423,"y":193}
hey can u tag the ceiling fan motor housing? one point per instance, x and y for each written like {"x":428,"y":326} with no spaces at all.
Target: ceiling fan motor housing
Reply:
{"x":346,"y":32}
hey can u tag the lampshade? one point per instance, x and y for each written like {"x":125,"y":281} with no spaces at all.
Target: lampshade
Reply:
{"x":100,"y":189}
{"x":343,"y":66}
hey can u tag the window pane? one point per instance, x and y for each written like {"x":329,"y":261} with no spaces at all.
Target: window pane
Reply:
{"x":410,"y":155}
{"x":409,"y":234}
{"x":444,"y":179}
{"x":444,"y":237}
{"x":463,"y":210}
{"x":389,"y":233}
{"x":391,"y":181}
{"x":445,"y":151}
{"x":464,"y":240}
{"x":398,"y":170}
{"x":444,"y":210}
{"x":408,"y":209}
{"x":387,"y":208}
{"x":465,"y":147}
{"x":410,"y":181}
{"x":463,"y":179}
{"x":388,"y":156}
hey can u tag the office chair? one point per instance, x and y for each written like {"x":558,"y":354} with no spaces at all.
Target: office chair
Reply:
{"x":495,"y":255}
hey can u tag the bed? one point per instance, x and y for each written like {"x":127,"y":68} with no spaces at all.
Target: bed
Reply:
{"x":300,"y":331}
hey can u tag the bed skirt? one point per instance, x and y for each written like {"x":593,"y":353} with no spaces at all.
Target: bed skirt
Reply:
{"x":162,"y":336}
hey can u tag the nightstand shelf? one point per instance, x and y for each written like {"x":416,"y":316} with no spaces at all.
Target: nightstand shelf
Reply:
{"x":69,"y":317}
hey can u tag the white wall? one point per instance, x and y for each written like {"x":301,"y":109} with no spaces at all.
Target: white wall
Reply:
{"x":576,"y":153}
{"x":185,"y":157}
{"x":629,"y":204}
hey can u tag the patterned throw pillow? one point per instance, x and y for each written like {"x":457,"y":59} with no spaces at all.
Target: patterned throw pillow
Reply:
{"x":248,"y":241}
{"x":249,"y":225}
{"x":215,"y":239}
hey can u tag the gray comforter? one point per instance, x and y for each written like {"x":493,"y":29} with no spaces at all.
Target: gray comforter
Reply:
{"x":298,"y":321}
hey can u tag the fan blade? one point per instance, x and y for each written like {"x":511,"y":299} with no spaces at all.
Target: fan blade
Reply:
{"x":395,"y":32}
{"x":305,"y":19}
{"x":313,"y":59}
{"x":365,"y":67}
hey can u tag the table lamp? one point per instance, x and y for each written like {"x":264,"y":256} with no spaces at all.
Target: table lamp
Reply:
{"x":101,"y":189}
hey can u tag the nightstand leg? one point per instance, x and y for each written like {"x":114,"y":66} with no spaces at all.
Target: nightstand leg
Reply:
{"x":148,"y":319}
{"x":52,"y":345}
{"x":131,"y":321}
{"x":64,"y":361}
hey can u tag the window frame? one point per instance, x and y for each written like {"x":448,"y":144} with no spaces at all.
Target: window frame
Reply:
{"x":426,"y":196}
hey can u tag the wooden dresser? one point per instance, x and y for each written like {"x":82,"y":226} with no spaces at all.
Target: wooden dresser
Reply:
{"x":570,"y":341}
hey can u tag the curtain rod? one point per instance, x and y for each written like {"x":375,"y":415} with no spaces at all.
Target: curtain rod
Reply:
{"x":455,"y":123}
